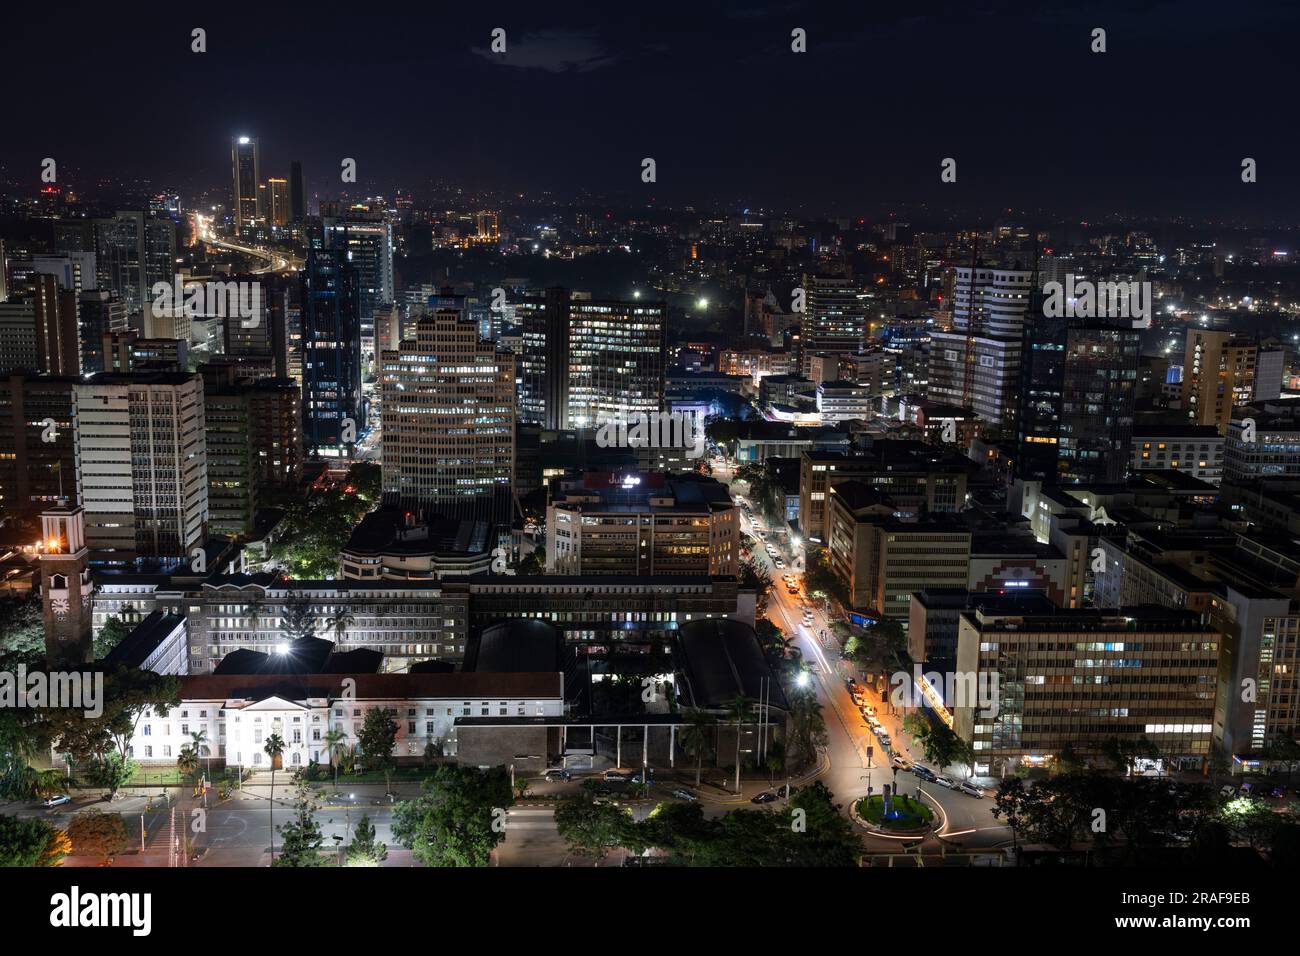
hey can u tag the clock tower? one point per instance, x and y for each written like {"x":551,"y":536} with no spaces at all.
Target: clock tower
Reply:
{"x":66,"y":591}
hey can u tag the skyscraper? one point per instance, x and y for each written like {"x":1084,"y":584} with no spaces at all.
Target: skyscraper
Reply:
{"x":1097,"y":393}
{"x":38,"y":462}
{"x":142,"y":466}
{"x":1218,"y":373}
{"x":448,"y":409}
{"x":368,"y":245}
{"x":331,"y":352}
{"x":245,"y":164}
{"x":835,"y":319}
{"x":132,"y":252}
{"x":544,"y":362}
{"x":278,"y":195}
{"x":616,"y":359}
{"x":297,"y":197}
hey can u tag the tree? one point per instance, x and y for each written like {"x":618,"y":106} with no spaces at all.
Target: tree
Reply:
{"x":376,"y":738}
{"x":97,"y":834}
{"x":199,"y":741}
{"x":114,"y":631}
{"x":1010,"y":803}
{"x":808,"y":733}
{"x":274,"y":748}
{"x":522,"y":784}
{"x":458,"y":819}
{"x":591,"y":829}
{"x":340,"y":621}
{"x":695,"y":736}
{"x":29,"y":842}
{"x":298,"y":619}
{"x":49,"y":783}
{"x":754,"y":575}
{"x":22,"y":627}
{"x":301,"y":837}
{"x":112,"y":772}
{"x":334,"y":740}
{"x":364,"y":850}
{"x":187,"y":761}
{"x":942,"y":747}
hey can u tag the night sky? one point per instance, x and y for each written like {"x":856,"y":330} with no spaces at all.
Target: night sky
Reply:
{"x":1157,"y":125}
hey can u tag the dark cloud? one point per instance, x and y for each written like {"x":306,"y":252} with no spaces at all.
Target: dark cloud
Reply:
{"x":553,"y":51}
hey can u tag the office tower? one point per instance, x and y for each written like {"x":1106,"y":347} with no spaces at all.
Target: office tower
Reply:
{"x":276,"y":434}
{"x":977,"y":364}
{"x":368,"y":245}
{"x":66,"y":589}
{"x":544,"y":359}
{"x":278,"y":195}
{"x":1100,"y":374}
{"x":1270,"y":367}
{"x":4,"y":274}
{"x":1272,"y":451}
{"x":297,"y":197}
{"x":448,"y":410}
{"x":102,"y":314}
{"x":132,"y":253}
{"x":227,"y":429}
{"x":835,"y":318}
{"x":267,"y":337}
{"x":1052,"y":681}
{"x":38,"y":329}
{"x":1218,"y":372}
{"x":616,"y":359}
{"x":74,"y":270}
{"x":142,"y":466}
{"x":38,"y":460}
{"x":246,"y":169}
{"x":331,"y":353}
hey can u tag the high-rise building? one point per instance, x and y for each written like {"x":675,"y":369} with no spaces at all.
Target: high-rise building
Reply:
{"x":102,"y":314}
{"x":133,"y":252}
{"x":38,"y":329}
{"x":297,"y":197}
{"x":38,"y":461}
{"x":142,"y":466}
{"x":616,"y":359}
{"x":331,"y":353}
{"x":278,"y":196}
{"x":245,"y":164}
{"x":368,"y":245}
{"x":544,"y":359}
{"x":1099,"y":377}
{"x":1079,"y":678}
{"x":448,"y":414}
{"x":835,"y":318}
{"x":1218,"y":373}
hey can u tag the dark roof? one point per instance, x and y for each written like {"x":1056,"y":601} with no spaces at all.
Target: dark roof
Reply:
{"x":307,"y":655}
{"x":513,"y":647}
{"x":136,"y":647}
{"x":719,"y":659}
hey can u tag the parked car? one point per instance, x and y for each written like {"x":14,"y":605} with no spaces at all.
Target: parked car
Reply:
{"x":56,"y":801}
{"x":681,"y":793}
{"x":970,"y":789}
{"x":925,"y":773}
{"x":767,"y":796}
{"x":1278,"y":791}
{"x":557,"y":775}
{"x":1248,"y":788}
{"x":946,"y":782}
{"x":618,"y":776}
{"x":601,"y":791}
{"x":1227,"y":791}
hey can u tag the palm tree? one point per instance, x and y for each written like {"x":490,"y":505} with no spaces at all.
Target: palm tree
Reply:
{"x":739,"y":710}
{"x":334,"y":746}
{"x":695,"y":737}
{"x":273,"y":747}
{"x":200,"y":740}
{"x":340,"y":621}
{"x":187,"y":761}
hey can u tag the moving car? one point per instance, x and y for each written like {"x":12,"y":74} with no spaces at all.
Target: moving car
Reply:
{"x":902,"y":763}
{"x":56,"y":801}
{"x":925,"y":773}
{"x":970,"y":789}
{"x":946,"y":782}
{"x":681,"y":793}
{"x":767,"y":796}
{"x":557,"y":775}
{"x":618,"y":776}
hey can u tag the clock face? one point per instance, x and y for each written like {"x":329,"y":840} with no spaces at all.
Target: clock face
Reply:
{"x":60,"y":606}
